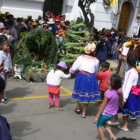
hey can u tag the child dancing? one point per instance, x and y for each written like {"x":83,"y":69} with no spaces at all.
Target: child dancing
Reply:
{"x":53,"y":83}
{"x":104,"y":78}
{"x":109,"y":107}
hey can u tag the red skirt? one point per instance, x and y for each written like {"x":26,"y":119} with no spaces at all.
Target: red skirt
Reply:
{"x":54,"y":90}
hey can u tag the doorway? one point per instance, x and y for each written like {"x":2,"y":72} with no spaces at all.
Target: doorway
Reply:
{"x":54,"y":5}
{"x":124,"y":16}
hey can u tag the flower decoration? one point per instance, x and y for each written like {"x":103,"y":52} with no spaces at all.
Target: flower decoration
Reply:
{"x":89,"y":48}
{"x":138,"y":66}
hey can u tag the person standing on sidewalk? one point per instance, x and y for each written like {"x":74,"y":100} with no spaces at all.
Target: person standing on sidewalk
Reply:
{"x":5,"y":58}
{"x":125,"y":49}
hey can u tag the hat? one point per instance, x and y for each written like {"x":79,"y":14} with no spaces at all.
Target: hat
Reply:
{"x":138,"y":66}
{"x":89,"y":48}
{"x":51,"y":21}
{"x":34,"y":23}
{"x":42,"y":22}
{"x":62,"y":64}
{"x":1,"y":25}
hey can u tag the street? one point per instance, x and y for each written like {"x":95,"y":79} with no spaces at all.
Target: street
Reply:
{"x":30,"y":119}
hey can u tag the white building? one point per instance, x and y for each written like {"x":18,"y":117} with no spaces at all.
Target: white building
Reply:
{"x":104,"y":17}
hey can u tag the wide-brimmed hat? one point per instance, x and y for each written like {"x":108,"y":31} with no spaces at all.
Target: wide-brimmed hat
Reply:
{"x":51,"y":21}
{"x":90,"y":48}
{"x":62,"y":64}
{"x":1,"y":25}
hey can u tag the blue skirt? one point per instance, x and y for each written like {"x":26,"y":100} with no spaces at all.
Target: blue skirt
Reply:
{"x":132,"y":106}
{"x":86,"y":89}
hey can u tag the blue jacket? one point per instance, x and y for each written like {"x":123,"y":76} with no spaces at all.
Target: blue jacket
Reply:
{"x":4,"y":129}
{"x":102,"y":51}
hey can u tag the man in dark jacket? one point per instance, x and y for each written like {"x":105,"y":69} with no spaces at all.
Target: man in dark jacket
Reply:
{"x":103,"y":47}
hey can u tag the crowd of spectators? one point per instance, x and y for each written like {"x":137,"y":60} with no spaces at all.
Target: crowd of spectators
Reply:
{"x":108,"y":41}
{"x":12,"y":27}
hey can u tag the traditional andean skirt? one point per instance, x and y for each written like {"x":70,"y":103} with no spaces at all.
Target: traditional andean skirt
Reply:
{"x":86,"y":89}
{"x":132,"y":106}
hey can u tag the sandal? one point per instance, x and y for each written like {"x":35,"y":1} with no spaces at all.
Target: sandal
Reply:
{"x":113,"y":138}
{"x":83,"y":115}
{"x":59,"y":109}
{"x":78,"y":111}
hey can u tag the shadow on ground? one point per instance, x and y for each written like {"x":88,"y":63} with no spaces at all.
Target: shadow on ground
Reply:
{"x":64,"y":102}
{"x":132,"y":126}
{"x":8,"y":108}
{"x":18,"y":92}
{"x":21,"y":129}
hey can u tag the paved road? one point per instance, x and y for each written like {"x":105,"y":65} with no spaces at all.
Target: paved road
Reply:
{"x":30,"y":119}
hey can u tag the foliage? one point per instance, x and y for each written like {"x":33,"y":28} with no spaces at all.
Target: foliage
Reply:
{"x":36,"y":45}
{"x":85,"y":7}
{"x":74,"y":43}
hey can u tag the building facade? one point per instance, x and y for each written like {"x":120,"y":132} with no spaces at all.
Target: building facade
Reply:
{"x":127,"y":17}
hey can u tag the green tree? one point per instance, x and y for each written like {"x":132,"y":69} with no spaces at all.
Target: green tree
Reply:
{"x":85,"y":8}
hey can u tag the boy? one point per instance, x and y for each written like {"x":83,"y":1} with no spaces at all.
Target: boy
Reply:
{"x":104,"y":78}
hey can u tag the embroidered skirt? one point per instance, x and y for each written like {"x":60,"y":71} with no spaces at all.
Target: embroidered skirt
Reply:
{"x":86,"y":89}
{"x":132,"y":106}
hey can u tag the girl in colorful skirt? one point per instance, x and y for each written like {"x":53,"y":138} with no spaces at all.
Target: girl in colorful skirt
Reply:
{"x":109,"y":107}
{"x":86,"y":89}
{"x":131,"y":93}
{"x":53,"y":83}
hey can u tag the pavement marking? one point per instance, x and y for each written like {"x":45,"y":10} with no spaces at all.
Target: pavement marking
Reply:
{"x":45,"y":96}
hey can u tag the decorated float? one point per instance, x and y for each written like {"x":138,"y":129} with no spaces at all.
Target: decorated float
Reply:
{"x":37,"y":51}
{"x":35,"y":54}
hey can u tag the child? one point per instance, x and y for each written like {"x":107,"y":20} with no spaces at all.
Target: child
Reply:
{"x":104,"y":78}
{"x":111,"y":104}
{"x":5,"y":58}
{"x":4,"y":126}
{"x":53,"y":83}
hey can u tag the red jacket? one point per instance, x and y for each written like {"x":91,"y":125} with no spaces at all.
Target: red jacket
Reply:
{"x":104,"y":78}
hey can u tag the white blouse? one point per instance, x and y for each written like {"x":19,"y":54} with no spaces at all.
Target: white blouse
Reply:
{"x":131,"y":79}
{"x":54,"y":77}
{"x":85,"y":63}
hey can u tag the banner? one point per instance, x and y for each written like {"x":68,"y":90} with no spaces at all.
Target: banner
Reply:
{"x":115,"y":5}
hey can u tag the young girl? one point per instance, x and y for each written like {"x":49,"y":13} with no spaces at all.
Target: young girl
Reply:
{"x":109,"y":108}
{"x":104,"y":78}
{"x":5,"y":58}
{"x":53,"y":83}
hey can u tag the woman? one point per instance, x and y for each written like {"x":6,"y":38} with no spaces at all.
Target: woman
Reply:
{"x":86,"y":89}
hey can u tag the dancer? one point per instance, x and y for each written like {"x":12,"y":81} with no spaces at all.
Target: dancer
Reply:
{"x":53,"y":83}
{"x":86,"y":89}
{"x":104,"y":78}
{"x":109,"y":107}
